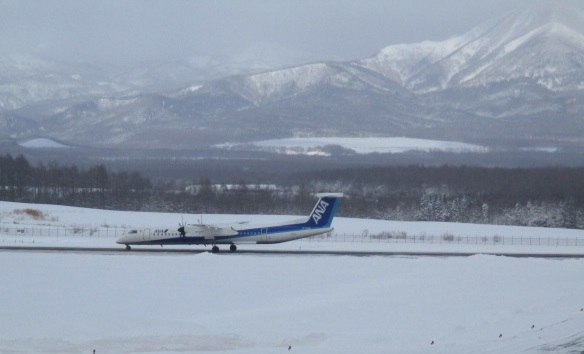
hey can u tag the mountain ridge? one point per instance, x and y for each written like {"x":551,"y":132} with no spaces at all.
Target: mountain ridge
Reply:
{"x":518,"y":79}
{"x":491,"y":42}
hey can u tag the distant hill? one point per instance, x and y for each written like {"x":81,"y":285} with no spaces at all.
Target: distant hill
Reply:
{"x":514,"y":81}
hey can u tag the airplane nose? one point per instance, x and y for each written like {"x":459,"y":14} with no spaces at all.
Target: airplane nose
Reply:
{"x":127,"y":237}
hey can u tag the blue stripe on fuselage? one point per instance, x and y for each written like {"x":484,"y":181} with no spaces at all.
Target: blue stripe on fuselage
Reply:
{"x":253,"y":232}
{"x":271,"y":230}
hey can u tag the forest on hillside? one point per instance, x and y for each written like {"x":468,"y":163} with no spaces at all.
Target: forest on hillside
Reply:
{"x":546,"y":197}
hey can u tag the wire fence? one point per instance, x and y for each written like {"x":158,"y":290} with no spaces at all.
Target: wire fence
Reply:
{"x":452,"y":239}
{"x":30,"y":233}
{"x":52,"y":231}
{"x":23,"y":233}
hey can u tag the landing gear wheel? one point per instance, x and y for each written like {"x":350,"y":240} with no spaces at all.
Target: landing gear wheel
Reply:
{"x":128,"y":247}
{"x":233,"y":248}
{"x":215,"y":249}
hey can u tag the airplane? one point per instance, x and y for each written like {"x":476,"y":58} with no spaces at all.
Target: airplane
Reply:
{"x":318,"y":222}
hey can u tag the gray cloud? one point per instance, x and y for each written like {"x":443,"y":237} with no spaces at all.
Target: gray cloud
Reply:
{"x":144,"y":30}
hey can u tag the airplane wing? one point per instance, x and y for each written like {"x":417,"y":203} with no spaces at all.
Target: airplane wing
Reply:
{"x":209,"y":231}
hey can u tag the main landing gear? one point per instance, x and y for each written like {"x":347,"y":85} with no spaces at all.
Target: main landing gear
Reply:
{"x":232,"y":248}
{"x":128,"y":248}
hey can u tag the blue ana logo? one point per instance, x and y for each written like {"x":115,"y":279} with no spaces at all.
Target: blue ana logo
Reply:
{"x":161,"y":231}
{"x":319,"y":210}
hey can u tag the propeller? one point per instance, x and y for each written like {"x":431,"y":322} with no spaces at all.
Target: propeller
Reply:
{"x":181,"y":228}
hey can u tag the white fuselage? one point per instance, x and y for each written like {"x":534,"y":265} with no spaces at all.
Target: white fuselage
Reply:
{"x":200,"y":234}
{"x":318,"y":222}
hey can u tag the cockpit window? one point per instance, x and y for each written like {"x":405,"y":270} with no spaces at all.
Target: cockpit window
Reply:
{"x":133,"y":232}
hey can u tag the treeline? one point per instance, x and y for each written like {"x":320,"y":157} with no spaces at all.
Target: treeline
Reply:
{"x":502,"y":185}
{"x":547,"y":197}
{"x":95,"y":187}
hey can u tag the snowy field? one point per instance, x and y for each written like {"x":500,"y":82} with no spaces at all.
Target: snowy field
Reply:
{"x":117,"y":302}
{"x":42,"y":143}
{"x":371,"y":145}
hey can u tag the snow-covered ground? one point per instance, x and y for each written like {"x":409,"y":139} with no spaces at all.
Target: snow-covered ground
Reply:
{"x":41,"y":143}
{"x":372,"y":145}
{"x":239,"y":303}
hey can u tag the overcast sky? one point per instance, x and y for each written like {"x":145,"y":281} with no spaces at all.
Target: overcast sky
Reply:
{"x":144,"y":30}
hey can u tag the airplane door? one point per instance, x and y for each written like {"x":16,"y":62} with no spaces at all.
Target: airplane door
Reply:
{"x":264,"y":233}
{"x":146,"y":234}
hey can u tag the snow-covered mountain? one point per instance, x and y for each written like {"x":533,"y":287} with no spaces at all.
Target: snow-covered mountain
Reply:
{"x":544,"y":45}
{"x":514,"y":80}
{"x":31,"y":79}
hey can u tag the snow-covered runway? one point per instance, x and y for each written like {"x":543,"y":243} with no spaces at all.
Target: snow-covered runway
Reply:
{"x":75,"y":303}
{"x":137,"y":302}
{"x":252,"y":251}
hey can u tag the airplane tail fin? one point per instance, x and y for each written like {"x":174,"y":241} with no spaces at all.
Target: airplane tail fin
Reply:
{"x":324,"y":211}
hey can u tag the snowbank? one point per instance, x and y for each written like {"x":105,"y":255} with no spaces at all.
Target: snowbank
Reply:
{"x":239,"y":303}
